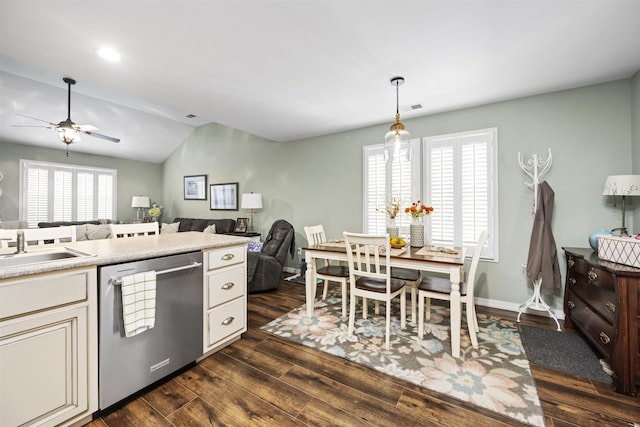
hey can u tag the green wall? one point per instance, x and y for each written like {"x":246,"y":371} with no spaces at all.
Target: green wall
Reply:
{"x":635,"y":137}
{"x":134,"y":177}
{"x":318,"y":180}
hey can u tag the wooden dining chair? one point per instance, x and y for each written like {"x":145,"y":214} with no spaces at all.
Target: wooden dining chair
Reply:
{"x":328,"y":272}
{"x":133,"y":230}
{"x":440,"y":288}
{"x":39,"y":236}
{"x":370,"y":277}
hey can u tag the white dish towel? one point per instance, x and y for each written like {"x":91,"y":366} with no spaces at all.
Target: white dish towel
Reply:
{"x":138,"y":302}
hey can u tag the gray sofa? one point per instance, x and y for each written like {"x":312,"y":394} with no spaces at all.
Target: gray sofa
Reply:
{"x":223,"y":226}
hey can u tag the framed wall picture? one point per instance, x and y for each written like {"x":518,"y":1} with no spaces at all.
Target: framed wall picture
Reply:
{"x":195,"y":187}
{"x":224,"y":197}
{"x":242,"y":225}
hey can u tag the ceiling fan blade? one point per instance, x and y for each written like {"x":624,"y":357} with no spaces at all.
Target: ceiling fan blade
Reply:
{"x":86,"y":128}
{"x":101,"y":136}
{"x":31,"y":126}
{"x":34,"y":118}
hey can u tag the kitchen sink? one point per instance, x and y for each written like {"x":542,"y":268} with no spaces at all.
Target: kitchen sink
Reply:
{"x":41,"y":255}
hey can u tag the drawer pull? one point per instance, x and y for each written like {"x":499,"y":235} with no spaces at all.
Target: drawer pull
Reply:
{"x":592,"y":275}
{"x":604,"y":338}
{"x":228,"y":286}
{"x":572,"y":281}
{"x":227,"y":257}
{"x":571,"y":263}
{"x":611,"y":306}
{"x":230,"y":319}
{"x":571,"y":305}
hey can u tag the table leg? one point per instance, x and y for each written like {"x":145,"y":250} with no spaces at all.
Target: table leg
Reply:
{"x":310,"y":288}
{"x":455,"y":311}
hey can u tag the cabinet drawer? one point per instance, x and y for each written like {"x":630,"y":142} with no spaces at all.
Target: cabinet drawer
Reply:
{"x":596,"y":329}
{"x":602,"y":299}
{"x":226,"y":256}
{"x":226,"y":320}
{"x":578,"y":265}
{"x":42,"y":291}
{"x":225,"y":285}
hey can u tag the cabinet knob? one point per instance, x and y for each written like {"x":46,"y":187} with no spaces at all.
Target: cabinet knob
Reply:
{"x":592,"y":275}
{"x":571,"y":263}
{"x":572,"y":281}
{"x":571,"y":305}
{"x":611,"y":306}
{"x":604,"y":338}
{"x":228,"y":321}
{"x":227,"y":257}
{"x":227,"y":286}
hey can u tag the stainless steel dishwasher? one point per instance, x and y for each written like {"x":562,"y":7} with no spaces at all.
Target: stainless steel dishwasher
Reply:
{"x":129,"y":364}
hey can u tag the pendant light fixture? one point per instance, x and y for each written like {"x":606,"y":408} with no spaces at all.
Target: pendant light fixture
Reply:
{"x":396,"y":141}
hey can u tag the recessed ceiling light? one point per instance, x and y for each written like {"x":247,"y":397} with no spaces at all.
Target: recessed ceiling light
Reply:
{"x":109,"y":54}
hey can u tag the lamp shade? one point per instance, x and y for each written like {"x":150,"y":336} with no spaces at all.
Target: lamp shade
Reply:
{"x":140,"y":202}
{"x":622,"y":185}
{"x":251,"y":201}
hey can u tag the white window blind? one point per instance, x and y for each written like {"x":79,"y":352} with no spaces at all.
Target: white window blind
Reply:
{"x":384,"y":181}
{"x":461,"y":184}
{"x":59,"y":192}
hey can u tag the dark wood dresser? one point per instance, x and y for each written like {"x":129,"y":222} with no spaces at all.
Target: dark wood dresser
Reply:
{"x":601,"y":302}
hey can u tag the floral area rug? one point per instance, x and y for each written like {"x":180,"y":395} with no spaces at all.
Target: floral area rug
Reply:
{"x":495,"y":376}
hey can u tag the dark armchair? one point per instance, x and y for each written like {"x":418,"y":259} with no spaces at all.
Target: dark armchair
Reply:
{"x":264,"y":268}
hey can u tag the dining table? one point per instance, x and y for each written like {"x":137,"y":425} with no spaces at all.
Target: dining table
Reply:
{"x":429,"y":259}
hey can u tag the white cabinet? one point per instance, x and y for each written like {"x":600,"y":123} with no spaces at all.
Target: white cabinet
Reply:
{"x":225,"y":296}
{"x":48,"y":348}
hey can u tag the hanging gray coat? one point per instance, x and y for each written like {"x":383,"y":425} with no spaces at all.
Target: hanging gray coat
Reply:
{"x":543,"y":255}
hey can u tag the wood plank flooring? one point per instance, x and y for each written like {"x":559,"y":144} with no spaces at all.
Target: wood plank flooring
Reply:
{"x":263,"y":380}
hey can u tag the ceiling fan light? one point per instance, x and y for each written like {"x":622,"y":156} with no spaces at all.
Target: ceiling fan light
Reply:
{"x":67,"y":134}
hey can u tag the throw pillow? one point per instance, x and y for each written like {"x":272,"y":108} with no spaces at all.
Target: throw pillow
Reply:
{"x":81,"y":232}
{"x":169,"y":228}
{"x":210,"y":229}
{"x":95,"y":232}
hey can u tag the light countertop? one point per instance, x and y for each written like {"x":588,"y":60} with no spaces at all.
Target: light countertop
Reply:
{"x":114,"y":251}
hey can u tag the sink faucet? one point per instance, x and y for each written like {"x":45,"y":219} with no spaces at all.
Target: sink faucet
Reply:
{"x":20,"y":242}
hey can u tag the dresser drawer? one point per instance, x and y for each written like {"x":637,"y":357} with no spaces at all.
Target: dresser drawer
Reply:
{"x":226,"y":320}
{"x":602,"y":299}
{"x":596,"y":329}
{"x":225,"y":285}
{"x":226,"y":256}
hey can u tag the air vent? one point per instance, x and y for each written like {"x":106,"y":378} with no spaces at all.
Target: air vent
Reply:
{"x":416,"y":107}
{"x":190,"y":116}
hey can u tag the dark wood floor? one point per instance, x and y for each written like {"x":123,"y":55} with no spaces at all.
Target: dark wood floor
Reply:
{"x":264,"y":380}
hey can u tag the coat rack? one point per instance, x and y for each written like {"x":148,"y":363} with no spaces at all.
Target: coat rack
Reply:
{"x":535,"y":168}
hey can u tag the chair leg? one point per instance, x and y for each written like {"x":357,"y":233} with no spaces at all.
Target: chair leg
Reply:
{"x":413,"y":302}
{"x":325,"y":290}
{"x":365,"y":308}
{"x":471,"y":325}
{"x":343,"y":285}
{"x":352,"y":314}
{"x":387,"y":335}
{"x":377,"y":307}
{"x":421,"y":316}
{"x":427,"y":307}
{"x":403,"y":309}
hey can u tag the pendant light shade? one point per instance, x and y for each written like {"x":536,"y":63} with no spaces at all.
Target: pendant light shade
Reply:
{"x":396,"y":142}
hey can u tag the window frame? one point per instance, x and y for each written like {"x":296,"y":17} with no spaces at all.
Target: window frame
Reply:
{"x":51,"y":170}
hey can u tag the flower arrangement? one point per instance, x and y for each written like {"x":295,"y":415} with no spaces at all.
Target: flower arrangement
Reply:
{"x":392,"y":209}
{"x":156,"y":210}
{"x":417,"y":209}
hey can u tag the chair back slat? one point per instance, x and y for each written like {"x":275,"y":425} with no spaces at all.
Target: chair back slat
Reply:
{"x":315,"y":234}
{"x":369,"y":255}
{"x":39,"y":236}
{"x":471,"y":276}
{"x":132,"y":230}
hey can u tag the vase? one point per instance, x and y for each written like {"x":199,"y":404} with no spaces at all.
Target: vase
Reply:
{"x":593,"y":238}
{"x":392,"y":228}
{"x":416,"y":233}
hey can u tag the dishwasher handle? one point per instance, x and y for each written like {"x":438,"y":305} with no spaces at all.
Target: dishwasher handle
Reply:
{"x":118,"y":282}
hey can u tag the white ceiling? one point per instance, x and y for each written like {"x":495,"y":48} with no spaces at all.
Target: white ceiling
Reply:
{"x":287,"y":70}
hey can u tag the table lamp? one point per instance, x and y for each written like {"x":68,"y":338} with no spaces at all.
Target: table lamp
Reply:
{"x":251,"y":201}
{"x":140,"y":203}
{"x":622,"y":185}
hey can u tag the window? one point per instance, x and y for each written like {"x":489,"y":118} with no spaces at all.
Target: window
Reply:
{"x":59,"y":192}
{"x":461,"y":183}
{"x":399,"y":179}
{"x":459,"y":173}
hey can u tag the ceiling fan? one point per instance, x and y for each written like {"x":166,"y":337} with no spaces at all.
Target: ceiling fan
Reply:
{"x":67,"y":130}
